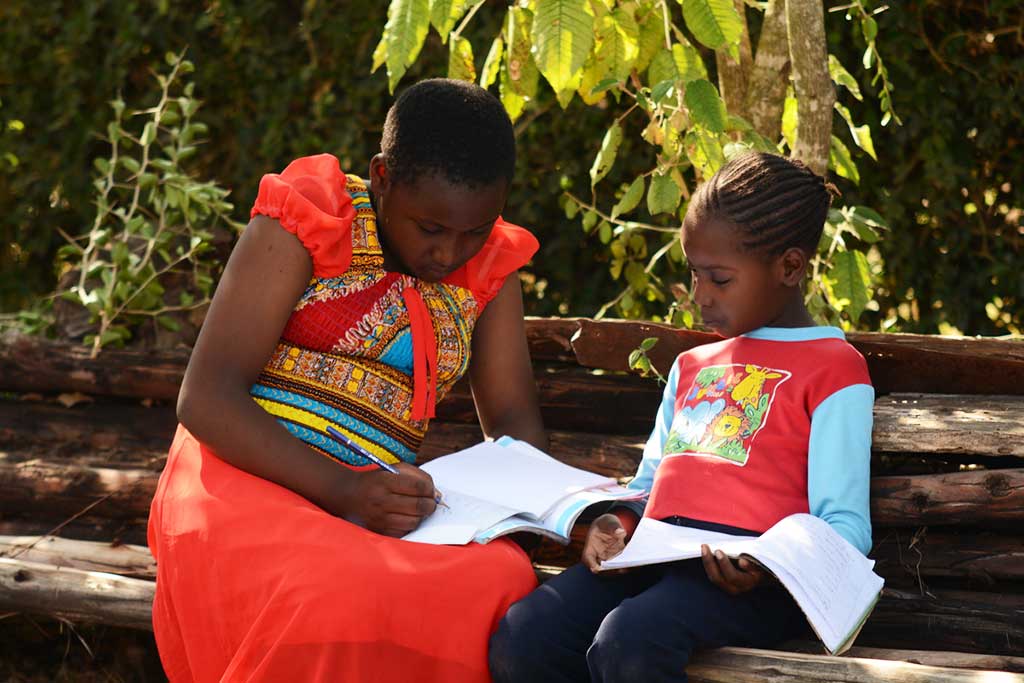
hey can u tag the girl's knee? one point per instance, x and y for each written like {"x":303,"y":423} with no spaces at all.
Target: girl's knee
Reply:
{"x":517,"y":647}
{"x":629,"y":647}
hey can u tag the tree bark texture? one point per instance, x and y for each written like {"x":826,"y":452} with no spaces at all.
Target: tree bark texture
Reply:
{"x":732,"y":74}
{"x":769,"y":75}
{"x":808,"y":56}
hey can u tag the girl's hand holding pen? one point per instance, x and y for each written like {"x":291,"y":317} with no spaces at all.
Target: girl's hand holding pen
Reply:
{"x":391,"y":504}
{"x":391,"y":508}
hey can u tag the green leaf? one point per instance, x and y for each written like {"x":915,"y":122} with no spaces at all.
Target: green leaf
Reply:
{"x":168,"y":323}
{"x":789,"y":120}
{"x":522,"y":70}
{"x":148,"y":134}
{"x":606,"y":155}
{"x":705,"y":106}
{"x":380,"y":53}
{"x":631,"y":199}
{"x":663,"y":68}
{"x":839,"y":158}
{"x":704,"y":151}
{"x":407,"y":26}
{"x":715,"y":23}
{"x":617,"y":44}
{"x":589,"y":220}
{"x":651,"y":37}
{"x":492,"y":63}
{"x":605,"y":232}
{"x":663,"y":195}
{"x":601,"y":86}
{"x":870,"y":28}
{"x":444,"y":14}
{"x":840,"y":76}
{"x":460,"y":60}
{"x":648,"y":343}
{"x":861,"y":134}
{"x":688,"y":62}
{"x":866,"y":223}
{"x":563,"y":34}
{"x":852,"y":276}
{"x":513,"y":101}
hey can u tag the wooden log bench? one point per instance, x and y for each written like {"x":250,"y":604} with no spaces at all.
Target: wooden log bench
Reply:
{"x":82,"y":443}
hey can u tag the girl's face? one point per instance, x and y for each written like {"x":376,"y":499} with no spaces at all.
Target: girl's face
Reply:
{"x":431,"y":227}
{"x":737,"y":290}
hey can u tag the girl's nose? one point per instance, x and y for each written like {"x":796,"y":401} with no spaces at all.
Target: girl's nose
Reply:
{"x":700,"y":293}
{"x":445,"y":251}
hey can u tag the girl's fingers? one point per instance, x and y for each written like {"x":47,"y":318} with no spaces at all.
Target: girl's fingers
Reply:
{"x":711,"y":566}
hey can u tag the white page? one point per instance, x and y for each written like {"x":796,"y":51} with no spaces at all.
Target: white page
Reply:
{"x":506,"y":476}
{"x":831,"y":581}
{"x":654,"y":542}
{"x":829,"y":573}
{"x":460,"y":522}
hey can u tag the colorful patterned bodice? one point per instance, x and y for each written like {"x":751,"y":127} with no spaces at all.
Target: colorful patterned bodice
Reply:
{"x":347,"y":356}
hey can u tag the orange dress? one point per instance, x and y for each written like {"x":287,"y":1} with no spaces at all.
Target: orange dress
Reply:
{"x":255,"y":583}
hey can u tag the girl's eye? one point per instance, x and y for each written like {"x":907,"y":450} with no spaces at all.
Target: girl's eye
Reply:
{"x":429,"y":231}
{"x":720,"y":282}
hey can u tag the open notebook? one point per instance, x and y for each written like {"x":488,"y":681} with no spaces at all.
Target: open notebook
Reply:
{"x":831,"y":581}
{"x":496,"y":488}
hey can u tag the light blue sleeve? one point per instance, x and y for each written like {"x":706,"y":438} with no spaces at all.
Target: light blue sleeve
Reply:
{"x":644,"y":477}
{"x":839,"y":463}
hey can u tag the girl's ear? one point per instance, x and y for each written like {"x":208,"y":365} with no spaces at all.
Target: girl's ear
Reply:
{"x":793,"y":267}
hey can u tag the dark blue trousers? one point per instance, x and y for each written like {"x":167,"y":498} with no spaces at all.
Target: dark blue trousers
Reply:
{"x":641,"y":625}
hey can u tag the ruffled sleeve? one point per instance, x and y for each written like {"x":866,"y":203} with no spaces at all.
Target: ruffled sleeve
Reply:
{"x":309,"y":199}
{"x":507,"y":249}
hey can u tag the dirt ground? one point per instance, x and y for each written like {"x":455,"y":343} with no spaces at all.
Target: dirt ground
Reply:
{"x":34,"y":650}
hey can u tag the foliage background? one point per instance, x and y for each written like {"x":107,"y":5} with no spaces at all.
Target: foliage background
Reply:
{"x":280,"y":80}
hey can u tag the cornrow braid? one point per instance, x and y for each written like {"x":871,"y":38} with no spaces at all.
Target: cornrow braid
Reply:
{"x":775,"y":202}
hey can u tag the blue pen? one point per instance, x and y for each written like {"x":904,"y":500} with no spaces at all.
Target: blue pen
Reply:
{"x":359,"y":450}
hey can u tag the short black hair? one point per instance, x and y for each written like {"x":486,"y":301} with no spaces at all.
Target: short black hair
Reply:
{"x":454,"y":129}
{"x":774,"y":202}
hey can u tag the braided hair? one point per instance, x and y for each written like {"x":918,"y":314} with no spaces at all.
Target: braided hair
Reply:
{"x":775,"y":203}
{"x":449,"y":128}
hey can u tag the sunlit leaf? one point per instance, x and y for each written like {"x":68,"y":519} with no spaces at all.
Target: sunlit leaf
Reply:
{"x":519,"y":62}
{"x":460,"y":60}
{"x":852,"y":281}
{"x":513,"y":101}
{"x":688,"y":62}
{"x":617,"y":44}
{"x":789,"y":120}
{"x":651,"y":37}
{"x":562,"y":37}
{"x":493,"y":62}
{"x":715,"y":23}
{"x":839,"y":159}
{"x":606,"y":155}
{"x":380,"y":54}
{"x":407,"y":26}
{"x":861,"y":134}
{"x":840,"y":76}
{"x":444,"y":14}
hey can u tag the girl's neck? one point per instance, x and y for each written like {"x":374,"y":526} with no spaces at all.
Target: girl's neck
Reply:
{"x":794,"y":313}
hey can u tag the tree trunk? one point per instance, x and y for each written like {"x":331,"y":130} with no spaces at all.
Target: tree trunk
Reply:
{"x":811,"y":81}
{"x":732,"y":75}
{"x":766,"y":85}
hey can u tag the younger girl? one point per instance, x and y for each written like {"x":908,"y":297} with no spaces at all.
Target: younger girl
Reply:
{"x":772,"y":421}
{"x":353,"y":304}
